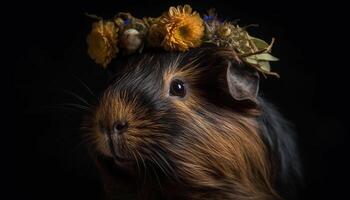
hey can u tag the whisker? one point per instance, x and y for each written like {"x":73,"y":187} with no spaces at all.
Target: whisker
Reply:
{"x":76,"y":96}
{"x":164,"y":161}
{"x":137,"y":162}
{"x":74,"y":105}
{"x":157,"y":178}
{"x":86,"y":143}
{"x":63,"y":108}
{"x":88,"y":139}
{"x":145,"y":168}
{"x":86,"y":87}
{"x":155,"y":161}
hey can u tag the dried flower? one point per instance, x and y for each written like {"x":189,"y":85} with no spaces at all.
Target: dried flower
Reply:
{"x":179,"y":29}
{"x":155,"y":36}
{"x":183,"y":29}
{"x":131,"y":40}
{"x":224,"y":31}
{"x":102,"y":42}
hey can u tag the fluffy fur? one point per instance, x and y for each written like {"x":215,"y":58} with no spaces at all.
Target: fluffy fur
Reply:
{"x":207,"y":145}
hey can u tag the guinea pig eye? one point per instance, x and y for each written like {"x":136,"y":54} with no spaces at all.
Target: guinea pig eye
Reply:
{"x":177,"y":88}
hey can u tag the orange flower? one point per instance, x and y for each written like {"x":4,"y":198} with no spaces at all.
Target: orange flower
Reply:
{"x":182,"y":28}
{"x":102,"y":42}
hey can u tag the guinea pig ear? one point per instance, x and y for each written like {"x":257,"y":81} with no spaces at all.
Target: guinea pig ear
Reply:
{"x":242,"y":82}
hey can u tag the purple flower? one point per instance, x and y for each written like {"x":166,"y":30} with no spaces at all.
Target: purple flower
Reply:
{"x":127,"y":21}
{"x":208,"y":18}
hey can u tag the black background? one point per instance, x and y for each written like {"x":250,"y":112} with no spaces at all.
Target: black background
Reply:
{"x":48,"y":40}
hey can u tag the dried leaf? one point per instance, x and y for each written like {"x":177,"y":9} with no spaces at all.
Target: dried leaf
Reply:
{"x":263,"y":56}
{"x":265,"y":65}
{"x":259,"y":43}
{"x":251,"y":60}
{"x":92,"y":16}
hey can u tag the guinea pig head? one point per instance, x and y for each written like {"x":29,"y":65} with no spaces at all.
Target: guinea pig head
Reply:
{"x":192,"y":117}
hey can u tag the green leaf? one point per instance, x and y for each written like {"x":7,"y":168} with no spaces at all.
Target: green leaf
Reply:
{"x":263,"y":56}
{"x":251,"y":60}
{"x":259,"y":43}
{"x":265,"y":65}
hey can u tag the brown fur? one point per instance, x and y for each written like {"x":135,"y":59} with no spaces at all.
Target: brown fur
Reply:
{"x":219,"y":153}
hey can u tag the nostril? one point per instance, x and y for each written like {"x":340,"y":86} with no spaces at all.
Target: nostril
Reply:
{"x":119,"y":127}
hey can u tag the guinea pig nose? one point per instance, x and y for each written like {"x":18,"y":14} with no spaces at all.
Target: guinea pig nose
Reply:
{"x":119,"y":127}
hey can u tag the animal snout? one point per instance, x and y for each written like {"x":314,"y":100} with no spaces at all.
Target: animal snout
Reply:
{"x":119,"y":127}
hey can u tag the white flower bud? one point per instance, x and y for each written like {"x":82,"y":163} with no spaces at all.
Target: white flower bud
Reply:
{"x":131,"y":40}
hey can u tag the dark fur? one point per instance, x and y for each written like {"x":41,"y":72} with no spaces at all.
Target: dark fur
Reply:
{"x":280,"y":137}
{"x":175,"y":146}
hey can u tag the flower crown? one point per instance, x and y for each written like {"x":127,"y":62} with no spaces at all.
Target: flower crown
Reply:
{"x":179,"y":29}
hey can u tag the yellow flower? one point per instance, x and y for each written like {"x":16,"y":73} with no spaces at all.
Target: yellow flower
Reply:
{"x":102,"y":42}
{"x":183,"y":29}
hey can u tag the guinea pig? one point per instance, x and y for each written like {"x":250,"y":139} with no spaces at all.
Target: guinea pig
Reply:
{"x":190,"y":125}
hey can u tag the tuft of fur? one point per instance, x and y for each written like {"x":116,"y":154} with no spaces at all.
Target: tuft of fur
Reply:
{"x":204,"y":146}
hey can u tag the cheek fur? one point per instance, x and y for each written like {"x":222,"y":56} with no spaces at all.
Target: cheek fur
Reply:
{"x":218,"y":144}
